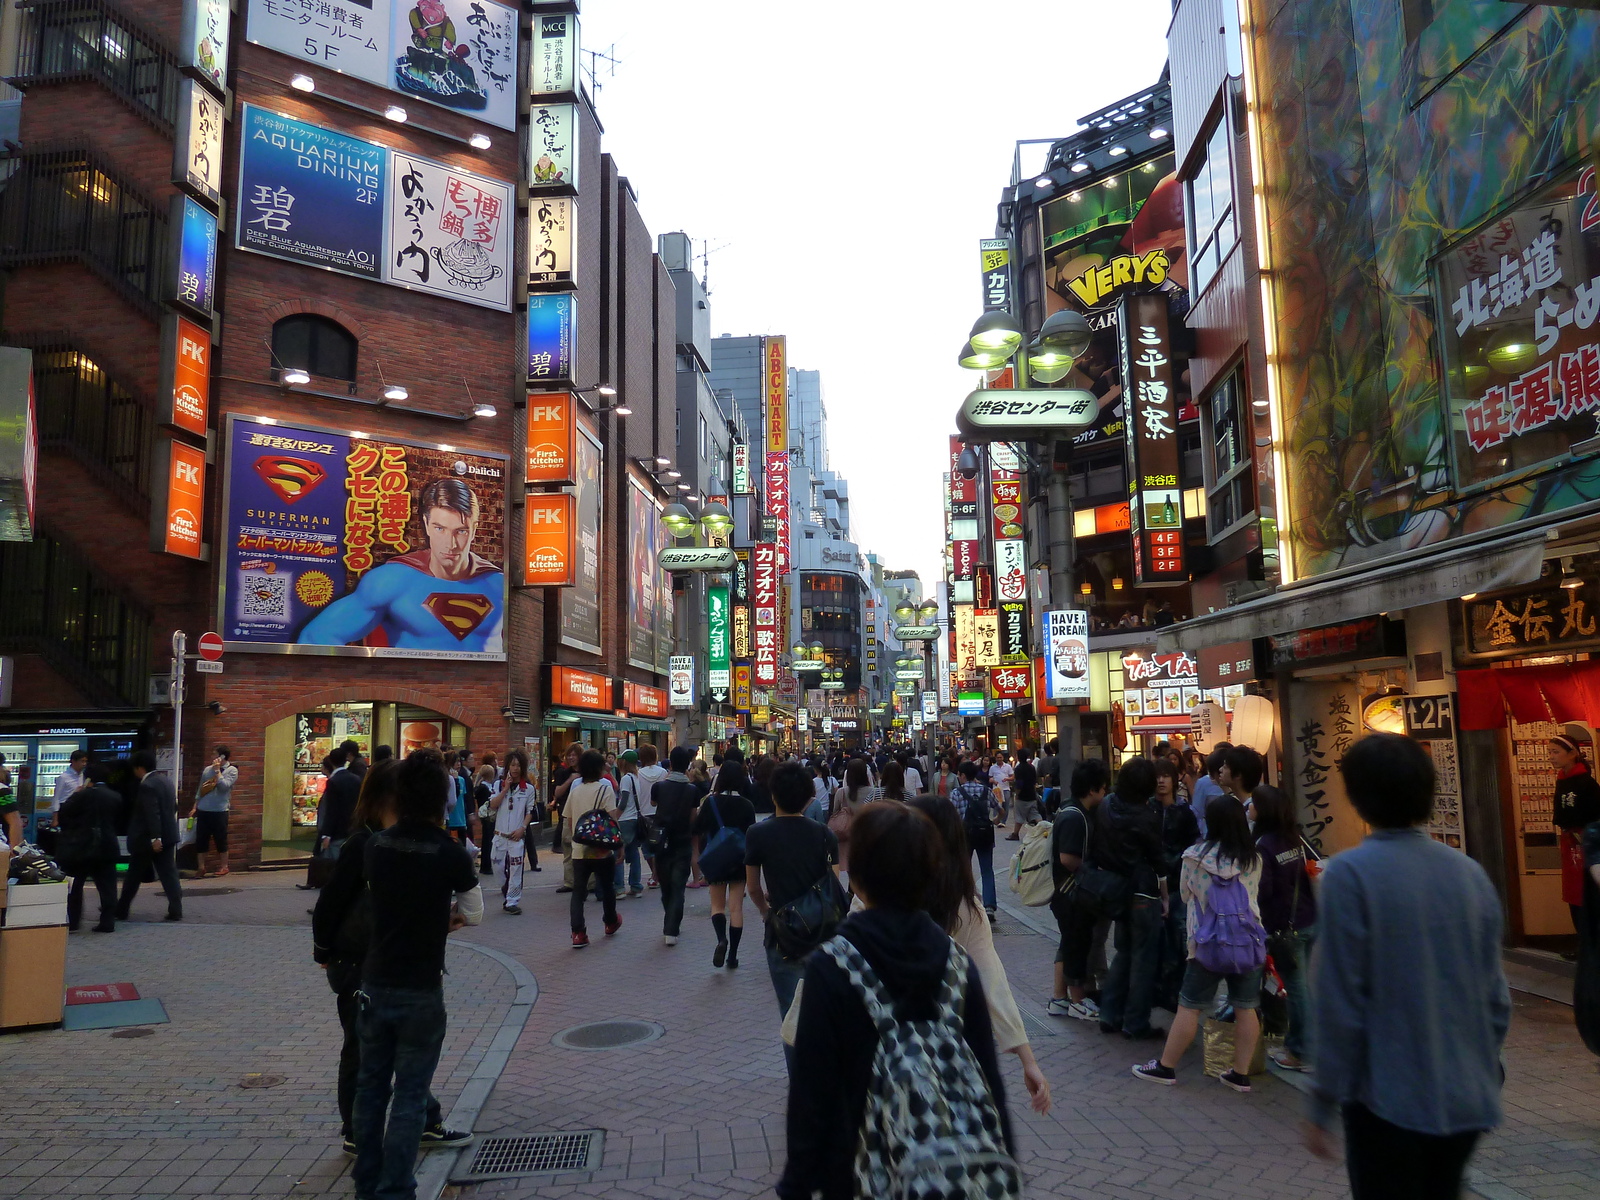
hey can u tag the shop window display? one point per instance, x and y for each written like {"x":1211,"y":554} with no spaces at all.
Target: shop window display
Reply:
{"x":316,"y":735}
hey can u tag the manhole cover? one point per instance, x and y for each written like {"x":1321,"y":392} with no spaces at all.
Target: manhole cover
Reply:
{"x":132,"y":1033}
{"x":536,"y":1154}
{"x":257,"y":1080}
{"x":210,"y":891}
{"x":607,"y":1035}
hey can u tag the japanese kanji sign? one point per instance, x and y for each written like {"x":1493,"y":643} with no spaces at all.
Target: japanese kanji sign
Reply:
{"x":1534,"y":619}
{"x":552,"y":232}
{"x":1151,"y":405}
{"x":553,"y":148}
{"x":986,"y":637}
{"x":764,"y":602}
{"x":449,"y":232}
{"x":994,"y":255}
{"x":193,"y":279}
{"x":197,"y":148}
{"x":989,"y":414}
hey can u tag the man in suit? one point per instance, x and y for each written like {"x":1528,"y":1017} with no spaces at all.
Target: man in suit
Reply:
{"x":152,"y":837}
{"x":87,"y":846}
{"x":339,"y":798}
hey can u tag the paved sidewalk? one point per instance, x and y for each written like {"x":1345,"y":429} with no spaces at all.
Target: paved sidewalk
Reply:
{"x":164,"y":1115}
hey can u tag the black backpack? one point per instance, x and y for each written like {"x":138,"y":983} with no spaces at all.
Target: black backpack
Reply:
{"x":975,"y":818}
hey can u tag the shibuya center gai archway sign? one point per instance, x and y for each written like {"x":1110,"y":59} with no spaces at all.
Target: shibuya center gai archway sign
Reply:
{"x":1004,"y":414}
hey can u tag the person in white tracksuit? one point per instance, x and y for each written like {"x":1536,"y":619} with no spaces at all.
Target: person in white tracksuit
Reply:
{"x":511,"y":807}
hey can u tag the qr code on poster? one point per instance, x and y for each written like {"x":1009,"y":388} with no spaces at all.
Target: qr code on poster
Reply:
{"x":264,"y":595}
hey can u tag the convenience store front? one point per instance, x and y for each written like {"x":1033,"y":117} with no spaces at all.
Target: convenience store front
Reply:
{"x":35,"y":753}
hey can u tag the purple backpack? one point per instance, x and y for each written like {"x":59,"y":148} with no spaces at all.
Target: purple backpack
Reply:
{"x":1229,"y":939}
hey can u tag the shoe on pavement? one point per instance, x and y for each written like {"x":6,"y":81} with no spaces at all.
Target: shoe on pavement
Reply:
{"x":1079,"y":1009}
{"x":563,"y":890}
{"x":669,"y":940}
{"x":173,"y":916}
{"x":613,"y":926}
{"x":436,"y":1135}
{"x":696,"y":883}
{"x":720,"y":954}
{"x":1148,"y":1034}
{"x":347,"y":1143}
{"x":580,"y":940}
{"x":514,"y":909}
{"x":1288,"y":1061}
{"x":635,"y":891}
{"x":654,"y":884}
{"x":733,"y":962}
{"x":1013,"y":837}
{"x":104,"y":928}
{"x":1156,"y":1073}
{"x":1236,"y":1081}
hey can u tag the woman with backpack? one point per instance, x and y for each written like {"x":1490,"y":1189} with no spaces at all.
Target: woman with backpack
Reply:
{"x":891,"y":969}
{"x":980,"y":812}
{"x":1288,"y":911}
{"x":1219,"y":884}
{"x":591,"y":861}
{"x":952,"y":902}
{"x":723,"y":818}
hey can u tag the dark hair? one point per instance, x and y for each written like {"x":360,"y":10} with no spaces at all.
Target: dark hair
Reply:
{"x":1160,"y":748}
{"x":895,"y":855}
{"x":791,"y":787}
{"x":1136,"y":781}
{"x":97,"y":772}
{"x":1390,"y":780}
{"x":591,"y":765}
{"x":1053,"y":745}
{"x":1228,"y":832}
{"x":349,"y":749}
{"x":1245,"y":766}
{"x":331,"y":762}
{"x":856,"y":777}
{"x":1274,"y":812}
{"x":733,"y":754}
{"x":969,"y":769}
{"x":143,"y":759}
{"x":761,"y":772}
{"x":680,"y":758}
{"x":378,"y":789}
{"x":521,"y":759}
{"x":1166,"y":767}
{"x":452,"y":494}
{"x":222,"y":750}
{"x":1089,"y":776}
{"x":731,"y":778}
{"x":420,"y":785}
{"x":893,"y":776}
{"x":382,"y":754}
{"x":953,"y":887}
{"x":1218,"y":754}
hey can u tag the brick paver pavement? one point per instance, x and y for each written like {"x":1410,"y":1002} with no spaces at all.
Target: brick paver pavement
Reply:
{"x":88,"y":1114}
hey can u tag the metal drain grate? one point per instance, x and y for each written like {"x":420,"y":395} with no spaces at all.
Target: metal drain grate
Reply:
{"x":537,"y":1154}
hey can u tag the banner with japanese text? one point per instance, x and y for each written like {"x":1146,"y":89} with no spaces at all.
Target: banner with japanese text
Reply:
{"x":1156,"y":511}
{"x":449,"y":232}
{"x":764,"y":602}
{"x":377,"y":547}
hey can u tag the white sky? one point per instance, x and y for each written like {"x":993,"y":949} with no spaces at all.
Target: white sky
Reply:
{"x":847,"y":158}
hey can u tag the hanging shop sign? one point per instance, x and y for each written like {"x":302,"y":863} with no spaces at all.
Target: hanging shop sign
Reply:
{"x":970,"y":704}
{"x":914,"y":633}
{"x":1233,"y":662}
{"x":551,"y":439}
{"x":775,"y":350}
{"x":186,"y":374}
{"x":197,"y":147}
{"x":986,"y":634}
{"x":764,"y":602}
{"x":743,"y":634}
{"x":681,"y":560}
{"x":449,"y":232}
{"x":1013,"y":616}
{"x":180,"y":505}
{"x":19,"y":450}
{"x":741,"y":469}
{"x":1009,"y":683}
{"x":1368,"y":637}
{"x":680,"y":681}
{"x":572,"y":688}
{"x":1534,"y":620}
{"x":1521,"y":347}
{"x":1157,"y":503}
{"x":552,"y":233}
{"x":644,"y":701}
{"x":1160,"y":685}
{"x":553,"y":65}
{"x":1066,"y":654}
{"x":648,"y":589}
{"x":203,"y":42}
{"x":994,"y":256}
{"x":553,"y":148}
{"x":378,"y":547}
{"x":549,"y":540}
{"x":459,"y":54}
{"x":966,"y":639}
{"x":580,"y":603}
{"x":192,"y":278}
{"x":717,"y":632}
{"x":552,"y":321}
{"x":778,"y":506}
{"x":741,"y":577}
{"x":1036,"y":413}
{"x":741,"y":688}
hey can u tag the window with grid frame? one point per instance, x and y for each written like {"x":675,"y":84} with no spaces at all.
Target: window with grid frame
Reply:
{"x":1208,"y":197}
{"x":1231,"y":496}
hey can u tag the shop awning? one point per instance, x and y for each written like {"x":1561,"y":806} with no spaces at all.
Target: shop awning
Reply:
{"x":650,"y":725}
{"x":1366,"y":591}
{"x":1161,"y":724}
{"x":568,"y":718}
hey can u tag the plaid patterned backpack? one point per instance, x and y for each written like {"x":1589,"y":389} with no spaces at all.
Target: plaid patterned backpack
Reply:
{"x":931,"y":1128}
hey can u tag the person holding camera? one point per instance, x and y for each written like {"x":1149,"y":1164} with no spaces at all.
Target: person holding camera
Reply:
{"x":211,"y":801}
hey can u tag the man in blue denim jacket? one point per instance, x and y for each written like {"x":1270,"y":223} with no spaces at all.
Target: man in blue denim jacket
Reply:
{"x":1410,"y":1006}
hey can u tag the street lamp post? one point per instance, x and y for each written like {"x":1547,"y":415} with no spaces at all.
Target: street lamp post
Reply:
{"x":919,"y":625}
{"x":708,"y":556}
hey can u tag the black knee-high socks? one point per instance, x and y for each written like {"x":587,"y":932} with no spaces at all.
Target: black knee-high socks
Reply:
{"x":734,"y":935}
{"x":719,"y":922}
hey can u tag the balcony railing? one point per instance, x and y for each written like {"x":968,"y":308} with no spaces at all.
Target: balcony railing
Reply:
{"x":64,"y":205}
{"x":63,"y":41}
{"x":52,"y":602}
{"x":86,"y":413}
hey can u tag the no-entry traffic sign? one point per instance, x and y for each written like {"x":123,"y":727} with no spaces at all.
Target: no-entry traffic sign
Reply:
{"x":210,"y":646}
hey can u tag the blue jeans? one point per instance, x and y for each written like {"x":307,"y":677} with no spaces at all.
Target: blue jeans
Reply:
{"x":402,"y":1030}
{"x":986,"y":873}
{"x":1296,"y":1042}
{"x":630,"y":850}
{"x":786,"y":977}
{"x":1131,"y":980}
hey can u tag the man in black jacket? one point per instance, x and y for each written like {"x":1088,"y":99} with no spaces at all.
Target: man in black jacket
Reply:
{"x":676,"y":798}
{"x":152,"y":837}
{"x":87,"y":846}
{"x":338,"y":804}
{"x":1128,"y":841}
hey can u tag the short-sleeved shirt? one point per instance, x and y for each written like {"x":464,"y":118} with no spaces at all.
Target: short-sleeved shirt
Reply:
{"x":1069,"y":835}
{"x":793,"y":853}
{"x":413,"y":872}
{"x":735,"y":811}
{"x":1024,"y":781}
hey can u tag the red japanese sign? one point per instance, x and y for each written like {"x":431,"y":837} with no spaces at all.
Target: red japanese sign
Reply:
{"x":579,"y":689}
{"x":1156,"y":516}
{"x":778,"y":504}
{"x":764,"y":600}
{"x":1009,"y":683}
{"x":645,"y":701}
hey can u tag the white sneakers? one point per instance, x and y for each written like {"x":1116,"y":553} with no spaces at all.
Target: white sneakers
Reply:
{"x":1084,"y":1010}
{"x":670,"y":940}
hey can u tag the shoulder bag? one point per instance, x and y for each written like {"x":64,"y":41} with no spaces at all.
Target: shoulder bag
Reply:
{"x":1100,"y":893}
{"x":808,"y":920}
{"x":597,"y":828}
{"x":722,"y":857}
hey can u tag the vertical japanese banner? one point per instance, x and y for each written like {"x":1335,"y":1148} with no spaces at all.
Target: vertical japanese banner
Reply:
{"x":450,"y":232}
{"x":778,"y":506}
{"x":553,"y":65}
{"x":1065,"y":665}
{"x":764,"y":602}
{"x":966,"y":638}
{"x":775,"y":351}
{"x":994,"y":255}
{"x":964,"y":545}
{"x":552,"y":226}
{"x":186,"y":374}
{"x":1325,"y":722}
{"x":192,"y":279}
{"x":641,"y":577}
{"x":552,"y":324}
{"x":203,"y":42}
{"x":549,"y":539}
{"x":197,"y":148}
{"x":718,"y":660}
{"x":552,"y":438}
{"x":553,"y":147}
{"x":1156,"y":511}
{"x":181,"y":507}
{"x":986,"y":635}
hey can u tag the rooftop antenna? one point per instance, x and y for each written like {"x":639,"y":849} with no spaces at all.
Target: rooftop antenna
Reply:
{"x":596,"y":57}
{"x":706,"y":251}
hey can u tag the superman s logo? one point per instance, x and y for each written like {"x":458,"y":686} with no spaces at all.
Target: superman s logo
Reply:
{"x":291,"y":478}
{"x":460,"y":614}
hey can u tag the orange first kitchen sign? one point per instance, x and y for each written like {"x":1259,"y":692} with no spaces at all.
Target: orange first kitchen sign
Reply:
{"x":186,"y":360}
{"x":572,"y":688}
{"x":549,"y":540}
{"x":182,"y":515}
{"x":552,"y":434}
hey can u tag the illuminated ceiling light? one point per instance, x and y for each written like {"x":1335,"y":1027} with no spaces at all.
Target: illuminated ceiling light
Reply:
{"x":1086,"y":588}
{"x":395,"y":392}
{"x":1259,"y":404}
{"x":715,"y":519}
{"x":1511,"y":350}
{"x":678,"y":520}
{"x":622,"y":410}
{"x":1079,"y":167}
{"x":297,"y":375}
{"x":995,"y":331}
{"x":674,"y":474}
{"x":1469,"y":596}
{"x":1136,"y":109}
{"x":395,"y":113}
{"x":485,"y":410}
{"x":686,"y":487}
{"x":1118,"y":151}
{"x":1111,"y":183}
{"x":1157,"y":134}
{"x":1043,"y":181}
{"x":1116,"y":583}
{"x":605,"y":389}
{"x":1569,"y":575}
{"x":1049,"y":375}
{"x":663,"y":462}
{"x":1074,"y":196}
{"x":981,"y":360}
{"x":1066,"y":333}
{"x":479,"y":141}
{"x":303,"y":83}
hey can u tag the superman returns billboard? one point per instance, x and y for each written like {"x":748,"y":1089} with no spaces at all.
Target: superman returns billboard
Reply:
{"x":345,"y":544}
